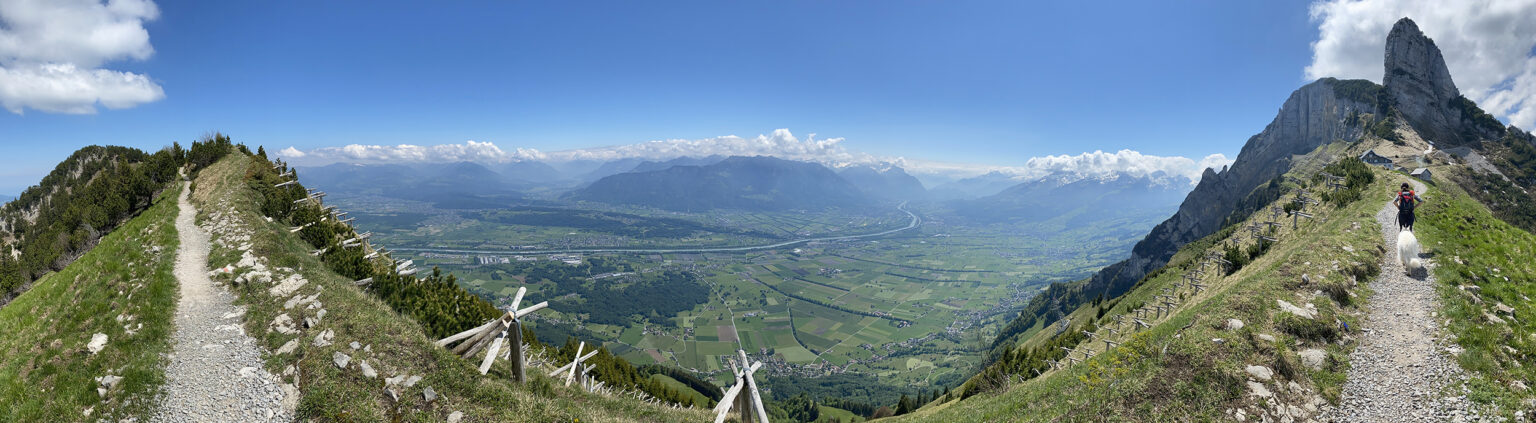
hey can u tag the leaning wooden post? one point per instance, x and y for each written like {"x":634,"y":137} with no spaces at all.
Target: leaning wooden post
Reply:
{"x":756,"y":399}
{"x":743,"y":399}
{"x":494,"y":334}
{"x":575,"y":363}
{"x":516,"y":354}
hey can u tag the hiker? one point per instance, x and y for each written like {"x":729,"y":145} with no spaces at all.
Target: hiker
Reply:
{"x":1405,"y":201}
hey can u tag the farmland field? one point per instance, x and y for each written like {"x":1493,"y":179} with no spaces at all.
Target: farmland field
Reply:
{"x":913,"y":308}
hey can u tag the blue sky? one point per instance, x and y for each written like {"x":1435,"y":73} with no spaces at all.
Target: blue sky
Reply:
{"x":986,"y":82}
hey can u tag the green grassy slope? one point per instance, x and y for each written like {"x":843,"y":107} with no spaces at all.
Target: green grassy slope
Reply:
{"x":398,"y":345}
{"x":1487,"y":280}
{"x":1177,"y":369}
{"x":831,"y":414}
{"x":698,"y":398}
{"x":46,"y":371}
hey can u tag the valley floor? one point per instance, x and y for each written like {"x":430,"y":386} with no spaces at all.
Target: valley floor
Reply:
{"x":215,"y":372}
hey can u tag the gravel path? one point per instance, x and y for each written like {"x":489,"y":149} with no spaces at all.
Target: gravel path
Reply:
{"x":1403,"y":364}
{"x":216,"y":370}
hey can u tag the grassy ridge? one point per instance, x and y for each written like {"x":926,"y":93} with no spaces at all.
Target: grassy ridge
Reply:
{"x":1176,"y":370}
{"x":46,"y":372}
{"x":398,"y":345}
{"x":1482,"y":262}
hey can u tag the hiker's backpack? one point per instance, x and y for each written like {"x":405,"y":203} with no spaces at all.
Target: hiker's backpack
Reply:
{"x":1405,"y":201}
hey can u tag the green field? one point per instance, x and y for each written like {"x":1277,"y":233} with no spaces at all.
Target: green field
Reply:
{"x":915,"y":308}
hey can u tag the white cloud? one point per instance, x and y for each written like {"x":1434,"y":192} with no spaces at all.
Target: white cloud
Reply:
{"x":781,"y":143}
{"x":1099,"y":164}
{"x":51,"y":52}
{"x":64,"y":88}
{"x":471,"y":151}
{"x":1487,"y":46}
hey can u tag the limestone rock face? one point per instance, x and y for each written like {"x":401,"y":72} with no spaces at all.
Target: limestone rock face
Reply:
{"x":1420,"y":84}
{"x":1315,"y":114}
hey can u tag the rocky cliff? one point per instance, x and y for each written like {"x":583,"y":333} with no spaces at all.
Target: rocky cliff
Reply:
{"x":1418,"y":90}
{"x":1315,"y":114}
{"x":1422,"y":92}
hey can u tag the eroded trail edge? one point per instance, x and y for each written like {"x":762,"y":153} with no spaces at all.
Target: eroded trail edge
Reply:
{"x":216,"y":372}
{"x":1402,"y":368}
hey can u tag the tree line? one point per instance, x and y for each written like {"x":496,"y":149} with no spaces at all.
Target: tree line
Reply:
{"x":655,"y":297}
{"x":84,"y":198}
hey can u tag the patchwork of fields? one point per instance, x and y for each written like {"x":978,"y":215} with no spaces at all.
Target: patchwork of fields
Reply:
{"x":913,"y":309}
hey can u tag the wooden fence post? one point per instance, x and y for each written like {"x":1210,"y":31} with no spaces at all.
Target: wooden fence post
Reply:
{"x":516,"y":355}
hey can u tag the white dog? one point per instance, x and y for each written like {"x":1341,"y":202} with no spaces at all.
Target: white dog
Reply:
{"x":1408,"y":251}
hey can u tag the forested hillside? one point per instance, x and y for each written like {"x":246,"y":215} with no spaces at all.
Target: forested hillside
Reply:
{"x":85,"y":197}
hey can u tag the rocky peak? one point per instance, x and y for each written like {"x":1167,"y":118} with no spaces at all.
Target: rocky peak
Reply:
{"x":1420,"y":84}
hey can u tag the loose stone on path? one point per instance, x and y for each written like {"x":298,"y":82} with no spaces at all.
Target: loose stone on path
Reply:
{"x":214,"y":375}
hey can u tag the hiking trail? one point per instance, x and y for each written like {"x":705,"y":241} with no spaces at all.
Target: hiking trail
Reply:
{"x":1403,"y":364}
{"x":215,"y":371}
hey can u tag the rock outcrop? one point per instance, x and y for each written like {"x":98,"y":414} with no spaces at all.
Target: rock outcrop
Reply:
{"x":1314,"y":115}
{"x":1419,"y":88}
{"x":1420,"y":84}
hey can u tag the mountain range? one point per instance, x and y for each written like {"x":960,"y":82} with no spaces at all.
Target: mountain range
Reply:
{"x":748,"y":183}
{"x":745,"y":183}
{"x":1087,"y":200}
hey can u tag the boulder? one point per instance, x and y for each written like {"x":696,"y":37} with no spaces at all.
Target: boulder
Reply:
{"x":324,"y":338}
{"x":98,"y":341}
{"x":106,"y":383}
{"x":1293,"y":309}
{"x":1260,"y":372}
{"x":1234,"y":324}
{"x":1313,"y":358}
{"x":368,"y":371}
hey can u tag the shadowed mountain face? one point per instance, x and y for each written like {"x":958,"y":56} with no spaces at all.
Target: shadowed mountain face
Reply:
{"x":891,"y":183}
{"x":650,"y":166}
{"x":743,"y":183}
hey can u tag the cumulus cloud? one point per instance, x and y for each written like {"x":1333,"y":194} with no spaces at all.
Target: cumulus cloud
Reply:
{"x":469,"y":151}
{"x":1099,"y":164}
{"x":51,"y":52}
{"x":780,"y":143}
{"x":1487,"y":45}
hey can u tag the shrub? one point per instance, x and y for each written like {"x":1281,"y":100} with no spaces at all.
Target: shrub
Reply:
{"x":1357,"y":176}
{"x":1309,"y":329}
